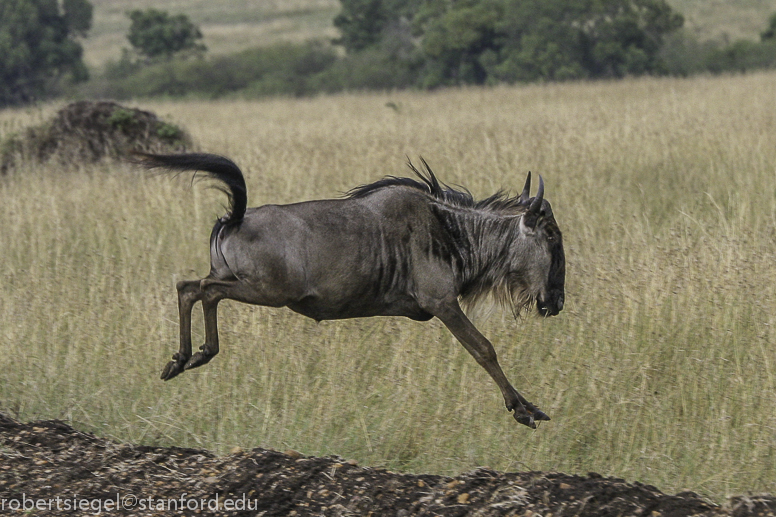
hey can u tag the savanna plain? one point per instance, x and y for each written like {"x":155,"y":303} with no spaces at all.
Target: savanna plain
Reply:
{"x":661,"y":368}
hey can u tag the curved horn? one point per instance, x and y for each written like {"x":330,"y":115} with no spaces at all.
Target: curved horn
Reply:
{"x":536,"y":205}
{"x":523,"y":199}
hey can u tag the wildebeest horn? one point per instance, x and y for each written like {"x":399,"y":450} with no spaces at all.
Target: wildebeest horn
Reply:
{"x":537,"y":202}
{"x":523,"y":199}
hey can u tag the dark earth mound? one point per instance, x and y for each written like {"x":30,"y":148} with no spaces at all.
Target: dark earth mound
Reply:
{"x":86,"y":132}
{"x":49,"y":468}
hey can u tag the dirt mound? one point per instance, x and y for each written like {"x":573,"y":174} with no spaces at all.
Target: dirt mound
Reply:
{"x":53,"y":469}
{"x":86,"y":132}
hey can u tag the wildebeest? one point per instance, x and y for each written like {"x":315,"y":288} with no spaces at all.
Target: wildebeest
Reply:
{"x":395,"y":247}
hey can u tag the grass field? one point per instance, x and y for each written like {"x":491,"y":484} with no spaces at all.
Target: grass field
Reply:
{"x":661,"y":369}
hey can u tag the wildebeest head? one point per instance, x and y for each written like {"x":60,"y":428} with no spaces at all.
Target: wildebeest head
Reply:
{"x":506,"y":247}
{"x":538,"y":253}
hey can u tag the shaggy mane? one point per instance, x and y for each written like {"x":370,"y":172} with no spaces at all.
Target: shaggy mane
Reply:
{"x":429,"y":184}
{"x":482,"y":264}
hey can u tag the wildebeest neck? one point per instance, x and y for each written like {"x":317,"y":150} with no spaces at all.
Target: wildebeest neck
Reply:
{"x":480,"y":251}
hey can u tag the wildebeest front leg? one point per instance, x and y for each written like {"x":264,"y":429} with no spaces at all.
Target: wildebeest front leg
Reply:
{"x":189,"y":293}
{"x":482,"y":350}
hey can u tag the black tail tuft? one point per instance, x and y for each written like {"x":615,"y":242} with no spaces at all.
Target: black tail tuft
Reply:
{"x":217,"y":167}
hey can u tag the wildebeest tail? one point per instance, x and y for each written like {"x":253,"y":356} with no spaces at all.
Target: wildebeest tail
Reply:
{"x":217,"y":167}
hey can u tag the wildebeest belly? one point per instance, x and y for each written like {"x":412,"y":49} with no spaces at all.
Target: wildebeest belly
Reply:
{"x":321,"y":308}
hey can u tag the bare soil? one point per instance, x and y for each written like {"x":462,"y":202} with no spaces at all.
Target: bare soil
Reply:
{"x":50,"y":468}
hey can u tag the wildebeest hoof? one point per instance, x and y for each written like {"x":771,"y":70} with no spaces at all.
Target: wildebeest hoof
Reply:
{"x":198,"y":359}
{"x":538,"y":414}
{"x":173,"y":368}
{"x":525,"y":419}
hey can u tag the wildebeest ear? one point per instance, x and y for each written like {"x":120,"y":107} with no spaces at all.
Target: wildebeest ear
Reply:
{"x":523,"y":199}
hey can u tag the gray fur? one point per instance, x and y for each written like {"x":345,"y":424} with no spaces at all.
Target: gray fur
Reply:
{"x":396,"y":247}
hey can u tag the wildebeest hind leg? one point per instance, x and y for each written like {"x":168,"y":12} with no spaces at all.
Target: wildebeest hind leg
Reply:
{"x":213,"y":291}
{"x":210,"y":349}
{"x":189,"y":293}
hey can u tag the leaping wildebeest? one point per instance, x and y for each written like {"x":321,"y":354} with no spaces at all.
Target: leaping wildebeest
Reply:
{"x":395,"y":247}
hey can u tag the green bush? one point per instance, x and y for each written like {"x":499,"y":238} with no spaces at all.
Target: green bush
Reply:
{"x":372,"y":69}
{"x":281,"y":69}
{"x":742,"y":56}
{"x":684,"y":55}
{"x":155,"y":33}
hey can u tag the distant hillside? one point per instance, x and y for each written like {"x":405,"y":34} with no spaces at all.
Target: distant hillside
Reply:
{"x":724,"y":19}
{"x":232,"y":26}
{"x":227,"y":26}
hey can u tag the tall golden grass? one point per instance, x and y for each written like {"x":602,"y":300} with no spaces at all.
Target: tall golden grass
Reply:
{"x":662,"y":367}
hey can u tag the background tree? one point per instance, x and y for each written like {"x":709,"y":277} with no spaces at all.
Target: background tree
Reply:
{"x":39,"y":47}
{"x":363,"y":23}
{"x":479,"y":41}
{"x":155,"y":33}
{"x":528,"y":40}
{"x":770,"y":32}
{"x":78,"y":16}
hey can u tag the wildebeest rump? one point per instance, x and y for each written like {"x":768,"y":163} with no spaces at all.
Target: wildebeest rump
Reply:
{"x":396,"y":247}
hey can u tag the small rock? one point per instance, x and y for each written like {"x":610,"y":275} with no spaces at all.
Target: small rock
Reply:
{"x":463,"y":498}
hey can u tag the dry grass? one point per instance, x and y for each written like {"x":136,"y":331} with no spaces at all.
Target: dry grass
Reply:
{"x":661,"y":369}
